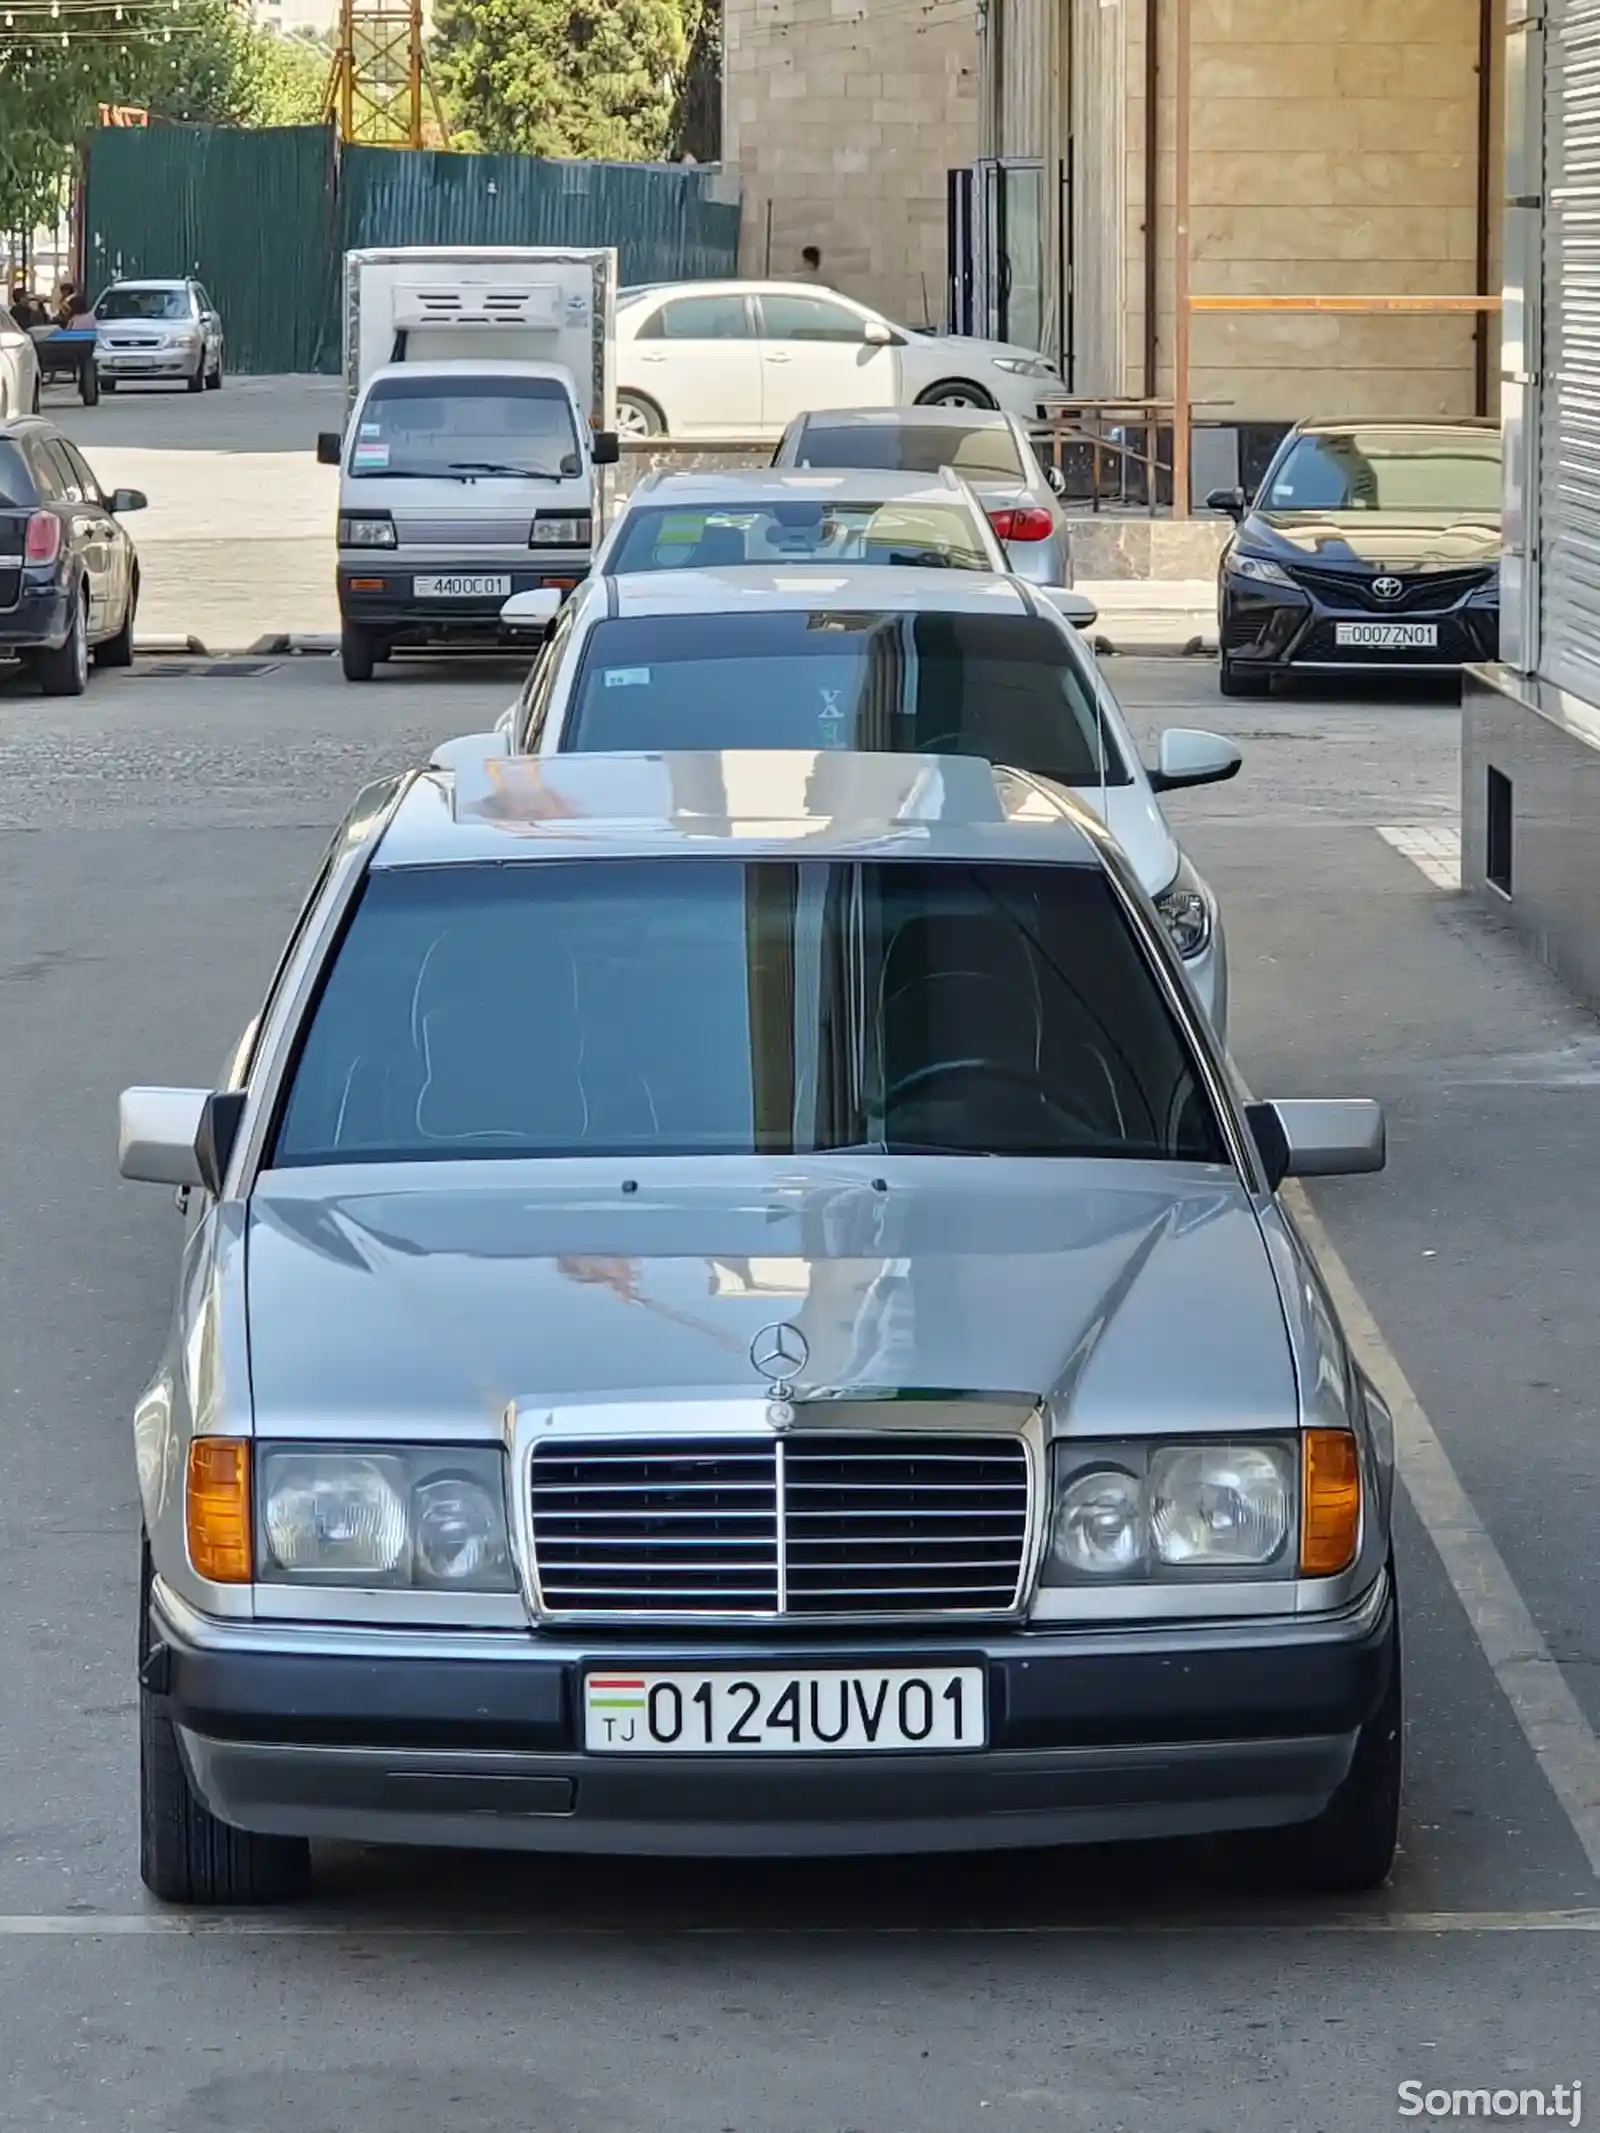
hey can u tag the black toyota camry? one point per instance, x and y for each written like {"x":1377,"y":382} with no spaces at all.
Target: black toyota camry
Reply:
{"x":1370,"y":547}
{"x":69,"y":577}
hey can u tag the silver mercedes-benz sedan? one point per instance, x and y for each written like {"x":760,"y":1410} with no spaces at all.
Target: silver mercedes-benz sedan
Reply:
{"x":731,"y":1306}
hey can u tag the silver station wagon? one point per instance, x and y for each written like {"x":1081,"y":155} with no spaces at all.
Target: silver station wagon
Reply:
{"x":731,"y":1306}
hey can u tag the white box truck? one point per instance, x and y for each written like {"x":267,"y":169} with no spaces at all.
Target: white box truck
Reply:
{"x":479,"y":408}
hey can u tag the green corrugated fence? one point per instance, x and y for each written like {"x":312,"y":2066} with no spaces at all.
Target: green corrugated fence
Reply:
{"x":263,"y":220}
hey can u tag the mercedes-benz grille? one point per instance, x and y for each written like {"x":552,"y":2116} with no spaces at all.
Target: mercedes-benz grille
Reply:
{"x":800,"y":1527}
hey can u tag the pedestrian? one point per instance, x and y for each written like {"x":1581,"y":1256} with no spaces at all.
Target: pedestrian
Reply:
{"x":811,"y":262}
{"x":67,"y":305}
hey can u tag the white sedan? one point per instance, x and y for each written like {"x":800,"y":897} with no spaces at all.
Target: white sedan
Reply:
{"x":934,"y":662}
{"x":743,"y":358}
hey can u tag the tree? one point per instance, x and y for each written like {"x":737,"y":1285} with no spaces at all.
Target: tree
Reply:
{"x":586,"y":78}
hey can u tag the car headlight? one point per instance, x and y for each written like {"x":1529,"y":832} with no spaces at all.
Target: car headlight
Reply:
{"x":1486,"y":595}
{"x":423,"y":1518}
{"x":1260,"y":568}
{"x":1133,"y":1513}
{"x":1025,"y":366}
{"x":549,"y":531}
{"x":367,"y":532}
{"x":1185,"y":909}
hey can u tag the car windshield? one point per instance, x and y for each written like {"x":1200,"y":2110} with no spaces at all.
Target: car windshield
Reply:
{"x":713,"y":1007}
{"x":701,"y":537}
{"x":16,"y":483}
{"x":986,"y":452}
{"x":1003,"y":687}
{"x":1454,"y":472}
{"x":433,"y":426}
{"x":144,"y":303}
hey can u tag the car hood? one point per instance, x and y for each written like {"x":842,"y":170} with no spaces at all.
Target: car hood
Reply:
{"x":1374,"y":540}
{"x":1138,"y":1297}
{"x":971,"y":344}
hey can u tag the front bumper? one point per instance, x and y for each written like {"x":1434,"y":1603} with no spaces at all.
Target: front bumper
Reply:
{"x":1278,"y":629}
{"x":473,"y":1740}
{"x":157,"y":364}
{"x":379,"y":593}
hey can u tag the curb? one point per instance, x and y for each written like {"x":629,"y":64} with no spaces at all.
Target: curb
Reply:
{"x":171,"y":648}
{"x":1203,"y":645}
{"x":286,"y":645}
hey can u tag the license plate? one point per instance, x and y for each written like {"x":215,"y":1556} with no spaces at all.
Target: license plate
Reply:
{"x":1387,"y":636}
{"x":461,"y":588}
{"x":885,"y":1712}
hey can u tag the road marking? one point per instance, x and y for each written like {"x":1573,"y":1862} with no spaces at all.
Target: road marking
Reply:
{"x":1433,"y":848}
{"x":1550,"y":1716}
{"x":182,"y":1925}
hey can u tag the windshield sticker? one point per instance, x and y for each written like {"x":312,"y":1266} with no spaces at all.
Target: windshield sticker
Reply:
{"x":830,"y":720}
{"x":368,"y":457}
{"x":627,"y":677}
{"x":372,"y":429}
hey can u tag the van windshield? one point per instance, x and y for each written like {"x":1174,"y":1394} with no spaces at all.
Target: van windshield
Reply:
{"x":433,"y":427}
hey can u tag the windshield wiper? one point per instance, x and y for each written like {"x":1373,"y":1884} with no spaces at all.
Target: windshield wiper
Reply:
{"x":499,"y":466}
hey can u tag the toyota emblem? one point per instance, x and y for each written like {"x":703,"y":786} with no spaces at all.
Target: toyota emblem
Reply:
{"x":780,"y":1353}
{"x":1388,"y":588}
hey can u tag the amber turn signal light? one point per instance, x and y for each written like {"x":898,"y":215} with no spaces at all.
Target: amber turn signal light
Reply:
{"x":1330,"y":1496}
{"x":217,"y":1509}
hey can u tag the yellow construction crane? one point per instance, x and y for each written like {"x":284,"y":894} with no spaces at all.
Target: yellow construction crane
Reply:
{"x":379,"y":87}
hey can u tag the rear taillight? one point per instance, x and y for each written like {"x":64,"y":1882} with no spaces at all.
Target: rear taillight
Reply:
{"x":1026,"y":524}
{"x":43,"y":541}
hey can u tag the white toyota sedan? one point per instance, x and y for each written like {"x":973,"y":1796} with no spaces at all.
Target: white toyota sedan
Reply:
{"x":743,"y":358}
{"x":887,"y":660}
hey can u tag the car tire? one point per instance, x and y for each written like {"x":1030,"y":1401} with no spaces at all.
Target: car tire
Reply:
{"x":1231,"y":682}
{"x":108,"y":385}
{"x":117,"y":651}
{"x":1351,"y":1845}
{"x":638,"y":416}
{"x":955,"y":392}
{"x":186,"y":1855}
{"x":89,"y":386}
{"x":65,"y":672}
{"x":197,"y":384}
{"x":214,"y":381}
{"x":358,"y":652}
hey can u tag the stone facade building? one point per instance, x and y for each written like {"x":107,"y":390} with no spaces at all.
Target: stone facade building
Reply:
{"x":1339,"y":147}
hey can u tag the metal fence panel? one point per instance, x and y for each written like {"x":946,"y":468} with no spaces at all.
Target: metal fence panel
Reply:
{"x":264,"y":218}
{"x":251,"y":214}
{"x":668,"y":222}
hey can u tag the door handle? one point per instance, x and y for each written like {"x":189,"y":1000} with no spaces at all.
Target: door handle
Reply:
{"x":649,"y":358}
{"x":777,"y":357}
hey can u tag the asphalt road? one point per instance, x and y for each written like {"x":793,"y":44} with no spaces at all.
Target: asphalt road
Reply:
{"x":154,"y":842}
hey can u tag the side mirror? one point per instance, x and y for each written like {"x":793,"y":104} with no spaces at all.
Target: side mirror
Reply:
{"x":128,"y":500}
{"x":178,"y":1136}
{"x":606,"y":449}
{"x":1319,"y":1137}
{"x":877,"y":335}
{"x":1057,"y":480}
{"x":534,"y":610}
{"x":329,"y":448}
{"x":1189,"y":757}
{"x":470,"y":748}
{"x":1075,"y":607}
{"x":1233,"y":501}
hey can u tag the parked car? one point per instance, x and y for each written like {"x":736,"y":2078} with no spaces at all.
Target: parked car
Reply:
{"x":743,"y":358}
{"x":717,"y":520}
{"x":932,"y":662}
{"x":1046,"y":1504}
{"x":19,"y":369}
{"x":1370,"y":547}
{"x":69,"y":575}
{"x":155,"y":332}
{"x":990,"y":450}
